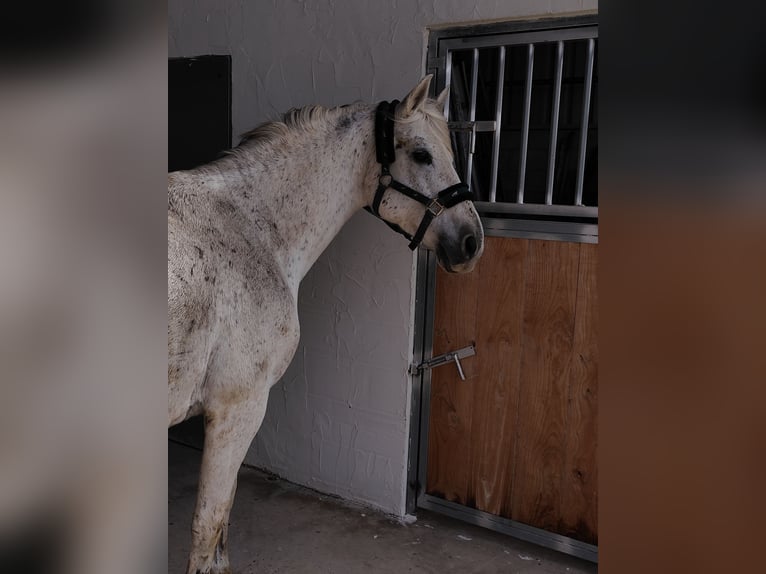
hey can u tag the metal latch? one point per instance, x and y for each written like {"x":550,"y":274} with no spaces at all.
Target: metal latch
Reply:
{"x":472,"y":128}
{"x":444,"y":359}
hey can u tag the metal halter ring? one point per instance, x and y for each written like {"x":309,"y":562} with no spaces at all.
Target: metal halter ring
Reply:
{"x":435,"y":207}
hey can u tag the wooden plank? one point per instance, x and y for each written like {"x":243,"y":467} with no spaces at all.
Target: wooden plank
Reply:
{"x":579,"y":488}
{"x":496,"y":388}
{"x":449,"y":435}
{"x":548,"y":327}
{"x":518,"y":438}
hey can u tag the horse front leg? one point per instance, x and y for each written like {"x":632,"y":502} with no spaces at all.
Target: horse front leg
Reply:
{"x":229,"y":431}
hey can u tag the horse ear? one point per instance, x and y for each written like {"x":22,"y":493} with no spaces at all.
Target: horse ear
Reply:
{"x":441,"y":100}
{"x":415,"y":99}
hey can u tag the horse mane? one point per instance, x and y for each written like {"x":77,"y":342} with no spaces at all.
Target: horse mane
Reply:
{"x":312,"y":117}
{"x":295,"y":120}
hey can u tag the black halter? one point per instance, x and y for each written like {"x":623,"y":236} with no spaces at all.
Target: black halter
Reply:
{"x":384,"y":149}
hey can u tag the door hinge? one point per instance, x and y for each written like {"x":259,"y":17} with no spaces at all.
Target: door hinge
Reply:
{"x":452,"y":356}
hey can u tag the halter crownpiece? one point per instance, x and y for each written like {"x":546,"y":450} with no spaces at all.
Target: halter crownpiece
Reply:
{"x":384,"y":132}
{"x":386,"y":155}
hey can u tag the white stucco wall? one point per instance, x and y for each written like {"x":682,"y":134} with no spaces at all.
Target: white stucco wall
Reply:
{"x":339,"y":420}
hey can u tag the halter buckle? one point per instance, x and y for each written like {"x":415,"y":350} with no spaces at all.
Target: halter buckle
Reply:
{"x":435,"y":208}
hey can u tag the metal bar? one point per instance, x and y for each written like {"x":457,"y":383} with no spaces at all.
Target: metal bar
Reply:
{"x":584,"y":122}
{"x":501,"y":225}
{"x":541,"y":235}
{"x":525,"y":124}
{"x":448,"y":82}
{"x":472,"y":117}
{"x":459,"y":368}
{"x":429,"y":269}
{"x":445,"y":358}
{"x":518,"y":38}
{"x":583,"y":211}
{"x":549,"y":24}
{"x":498,"y":123}
{"x":474,"y":82}
{"x":467,"y":126}
{"x":554,"y":123}
{"x":511,"y":527}
{"x":422,"y":297}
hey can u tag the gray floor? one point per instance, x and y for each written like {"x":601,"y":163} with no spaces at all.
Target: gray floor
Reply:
{"x":279,"y":527}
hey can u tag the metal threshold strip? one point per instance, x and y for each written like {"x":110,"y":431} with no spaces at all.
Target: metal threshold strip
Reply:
{"x":486,"y":207}
{"x":511,"y":527}
{"x":546,"y":230}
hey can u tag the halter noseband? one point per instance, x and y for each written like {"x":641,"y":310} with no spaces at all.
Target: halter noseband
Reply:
{"x":385,"y":154}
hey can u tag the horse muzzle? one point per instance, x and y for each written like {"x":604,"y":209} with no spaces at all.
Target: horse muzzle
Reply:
{"x":460,"y":254}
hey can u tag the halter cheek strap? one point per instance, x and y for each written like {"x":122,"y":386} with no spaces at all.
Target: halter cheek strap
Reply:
{"x":386,"y":155}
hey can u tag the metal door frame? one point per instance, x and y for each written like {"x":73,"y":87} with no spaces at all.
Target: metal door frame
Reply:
{"x":420,"y":407}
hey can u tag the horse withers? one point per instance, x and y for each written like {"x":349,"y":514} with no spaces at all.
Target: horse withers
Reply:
{"x":245,"y":229}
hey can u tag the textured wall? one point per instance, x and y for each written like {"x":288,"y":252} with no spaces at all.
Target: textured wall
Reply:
{"x":339,"y":420}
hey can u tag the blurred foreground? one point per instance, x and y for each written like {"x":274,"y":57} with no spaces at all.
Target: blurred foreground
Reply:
{"x":82,"y":289}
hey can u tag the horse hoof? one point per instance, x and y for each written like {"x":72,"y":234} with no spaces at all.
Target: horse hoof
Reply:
{"x":219,"y":568}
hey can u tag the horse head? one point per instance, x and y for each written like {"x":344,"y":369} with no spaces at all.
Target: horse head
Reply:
{"x":419,"y":193}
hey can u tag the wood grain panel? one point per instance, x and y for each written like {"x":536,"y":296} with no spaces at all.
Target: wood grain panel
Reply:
{"x":548,"y":325}
{"x":579,"y":488}
{"x":449,"y":435}
{"x":496,"y":388}
{"x":518,"y":438}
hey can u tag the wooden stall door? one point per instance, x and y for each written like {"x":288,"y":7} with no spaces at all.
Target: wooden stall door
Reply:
{"x":517,"y":438}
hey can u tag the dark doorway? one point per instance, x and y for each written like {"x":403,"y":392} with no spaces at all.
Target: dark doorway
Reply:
{"x":199,"y":129}
{"x":199,"y":110}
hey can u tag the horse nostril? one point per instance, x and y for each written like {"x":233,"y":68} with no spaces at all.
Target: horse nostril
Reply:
{"x":469,"y":246}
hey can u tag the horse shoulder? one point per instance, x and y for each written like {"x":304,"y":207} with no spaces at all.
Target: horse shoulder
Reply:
{"x":233,"y":323}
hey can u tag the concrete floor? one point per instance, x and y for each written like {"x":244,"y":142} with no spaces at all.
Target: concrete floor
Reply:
{"x":279,"y":527}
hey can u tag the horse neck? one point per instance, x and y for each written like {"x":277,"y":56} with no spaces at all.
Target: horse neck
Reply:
{"x":311,"y":183}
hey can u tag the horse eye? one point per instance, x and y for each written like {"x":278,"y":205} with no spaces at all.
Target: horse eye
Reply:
{"x":422,"y":156}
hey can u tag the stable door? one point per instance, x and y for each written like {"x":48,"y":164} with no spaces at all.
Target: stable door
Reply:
{"x":516,"y":438}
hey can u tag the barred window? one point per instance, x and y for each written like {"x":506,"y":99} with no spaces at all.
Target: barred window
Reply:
{"x":523,"y":115}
